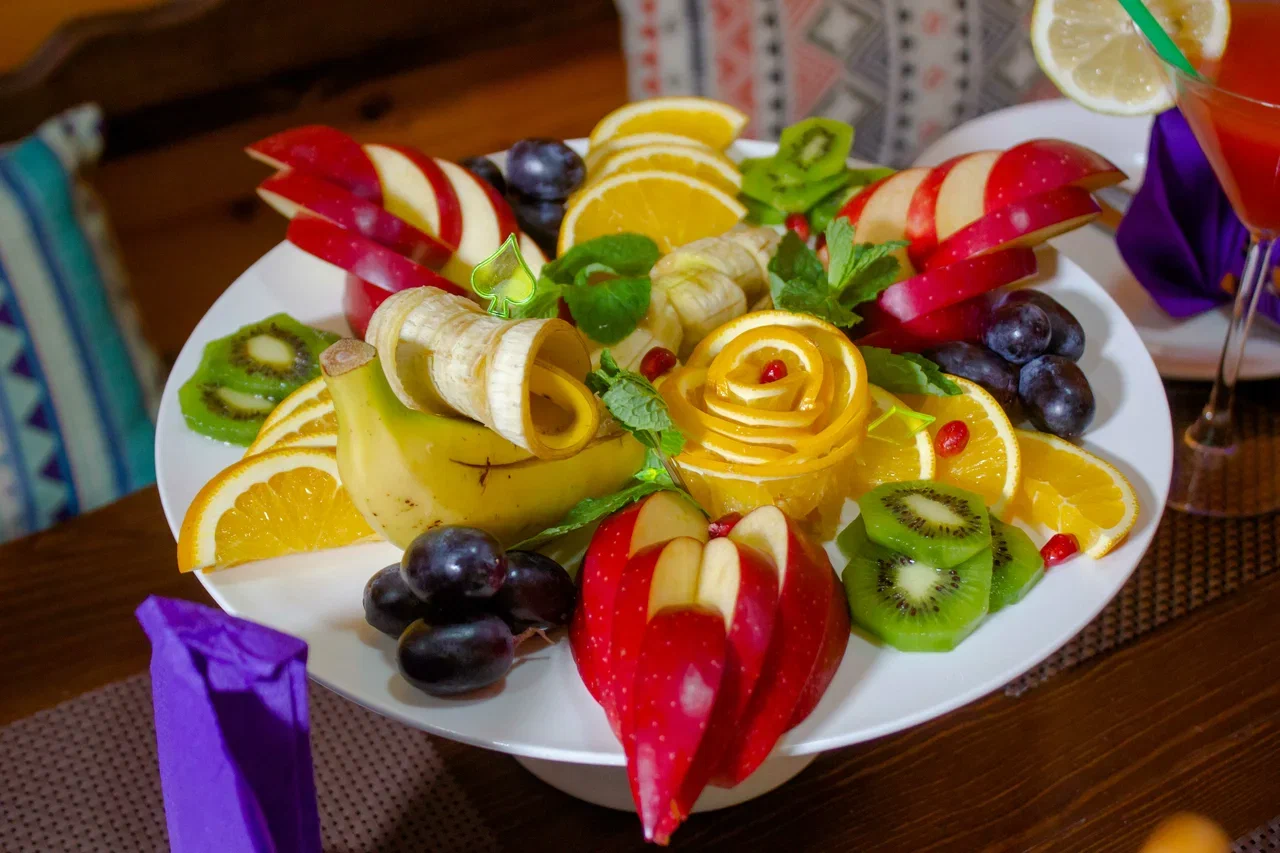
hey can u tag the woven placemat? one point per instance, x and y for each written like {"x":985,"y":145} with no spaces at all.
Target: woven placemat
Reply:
{"x":1193,"y":560}
{"x":83,"y":777}
{"x":1264,"y":839}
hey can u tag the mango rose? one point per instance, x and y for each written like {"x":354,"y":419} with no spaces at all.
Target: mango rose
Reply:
{"x":754,"y":439}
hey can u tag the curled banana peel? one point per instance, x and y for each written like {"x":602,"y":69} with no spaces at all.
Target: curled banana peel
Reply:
{"x":444,"y":355}
{"x":784,"y":442}
{"x":713,"y":280}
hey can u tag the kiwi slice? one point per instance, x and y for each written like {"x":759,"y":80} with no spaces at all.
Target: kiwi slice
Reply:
{"x":766,"y":182}
{"x":909,"y":604}
{"x":271,"y":358}
{"x":814,"y":148}
{"x":1016,"y":564}
{"x":928,"y":521}
{"x":217,"y":411}
{"x":761,"y":213}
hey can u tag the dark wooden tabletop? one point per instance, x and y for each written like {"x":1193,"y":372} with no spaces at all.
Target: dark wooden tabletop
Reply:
{"x":1186,"y":718}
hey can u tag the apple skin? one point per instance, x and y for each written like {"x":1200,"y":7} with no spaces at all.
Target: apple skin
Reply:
{"x":655,"y":519}
{"x":362,"y":257}
{"x":937,"y":289}
{"x":679,"y":679}
{"x":487,"y":220}
{"x":359,"y":300}
{"x":922,"y":231}
{"x":1027,"y":222}
{"x":290,"y":191}
{"x":798,"y":640}
{"x":324,"y":152}
{"x":427,"y":181}
{"x":834,"y":643}
{"x":1040,"y":165}
{"x":965,"y":321}
{"x":658,"y":576}
{"x":852,"y":209}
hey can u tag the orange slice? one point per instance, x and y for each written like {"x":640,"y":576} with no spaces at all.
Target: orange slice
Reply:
{"x":702,"y":163}
{"x":281,"y":502}
{"x":895,"y":451}
{"x":312,"y":416}
{"x":315,"y":390}
{"x":671,"y":208}
{"x":713,"y":123}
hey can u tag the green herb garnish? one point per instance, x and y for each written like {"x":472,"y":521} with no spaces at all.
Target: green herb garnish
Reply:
{"x":857,"y":273}
{"x":636,"y":405}
{"x":906,"y":373}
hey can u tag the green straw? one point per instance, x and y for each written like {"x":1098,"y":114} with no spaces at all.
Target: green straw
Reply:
{"x":1159,"y":39}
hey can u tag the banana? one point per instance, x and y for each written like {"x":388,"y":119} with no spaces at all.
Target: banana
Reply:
{"x":408,"y":471}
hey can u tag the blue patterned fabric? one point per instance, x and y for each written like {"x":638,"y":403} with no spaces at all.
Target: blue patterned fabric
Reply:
{"x":76,"y":382}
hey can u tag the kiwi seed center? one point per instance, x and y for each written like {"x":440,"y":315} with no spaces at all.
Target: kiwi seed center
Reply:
{"x":269,"y":349}
{"x":236,"y":405}
{"x":931,"y":510}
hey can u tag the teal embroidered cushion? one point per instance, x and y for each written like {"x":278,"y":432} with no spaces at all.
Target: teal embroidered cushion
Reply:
{"x":77,"y":383}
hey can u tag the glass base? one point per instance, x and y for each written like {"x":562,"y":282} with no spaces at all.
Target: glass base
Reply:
{"x":1237,"y":480}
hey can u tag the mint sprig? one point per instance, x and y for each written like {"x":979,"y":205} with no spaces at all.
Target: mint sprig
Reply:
{"x":857,"y":273}
{"x":906,"y":373}
{"x":636,"y":405}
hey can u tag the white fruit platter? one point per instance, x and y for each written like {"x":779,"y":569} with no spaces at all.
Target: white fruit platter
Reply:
{"x":541,"y":712}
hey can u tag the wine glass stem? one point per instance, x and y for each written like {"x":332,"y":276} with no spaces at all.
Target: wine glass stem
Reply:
{"x":1214,"y":429}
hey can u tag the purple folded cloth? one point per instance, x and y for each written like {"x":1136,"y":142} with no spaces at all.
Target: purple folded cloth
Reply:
{"x":232,"y":731}
{"x":1180,"y":236}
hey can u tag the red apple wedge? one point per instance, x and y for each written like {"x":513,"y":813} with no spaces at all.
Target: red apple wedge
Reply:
{"x":359,"y":300}
{"x":1040,"y":165}
{"x":679,"y":678}
{"x":291,"y":192}
{"x":362,"y":257}
{"x":415,"y":188}
{"x":487,"y":220}
{"x":922,"y":230}
{"x":659,"y":576}
{"x":962,"y":196}
{"x":798,"y":639}
{"x":1027,"y":222}
{"x":834,"y":643}
{"x":965,"y":321}
{"x":949,"y":285}
{"x":852,"y":209}
{"x":657,"y":518}
{"x":883,"y":214}
{"x":323,"y":152}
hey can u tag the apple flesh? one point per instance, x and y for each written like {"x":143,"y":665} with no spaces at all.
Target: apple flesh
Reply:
{"x":1027,"y":222}
{"x":659,"y":576}
{"x":325,"y":153}
{"x":805,"y":590}
{"x":852,"y":209}
{"x":1040,"y":165}
{"x":415,"y":188}
{"x":679,"y":681}
{"x":952,"y":284}
{"x":360,"y":299}
{"x":362,"y":257}
{"x":291,"y":192}
{"x":921,"y":229}
{"x":962,"y":195}
{"x":657,"y":518}
{"x":885,"y":216}
{"x":487,"y":220}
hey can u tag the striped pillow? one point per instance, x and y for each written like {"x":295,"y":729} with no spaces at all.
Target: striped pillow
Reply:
{"x":77,"y":384}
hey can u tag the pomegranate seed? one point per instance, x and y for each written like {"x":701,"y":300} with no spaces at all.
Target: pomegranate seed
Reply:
{"x":722,"y":525}
{"x":1059,"y":547}
{"x":656,"y":362}
{"x":773,"y":371}
{"x":824,"y":254}
{"x":798,"y":223}
{"x":952,"y":438}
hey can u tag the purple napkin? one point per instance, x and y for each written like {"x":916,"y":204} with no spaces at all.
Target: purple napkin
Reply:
{"x":232,"y":731}
{"x":1180,"y":236}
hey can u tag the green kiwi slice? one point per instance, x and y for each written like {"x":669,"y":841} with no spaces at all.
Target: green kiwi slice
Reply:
{"x":766,"y":182}
{"x":928,"y":521}
{"x":270,"y":358}
{"x":911,"y":605}
{"x":761,"y":213}
{"x":815,"y":148}
{"x":217,"y":411}
{"x":1016,"y":564}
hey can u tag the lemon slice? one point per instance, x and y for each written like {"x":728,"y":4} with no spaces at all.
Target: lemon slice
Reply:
{"x":1069,"y":490}
{"x":894,"y":453}
{"x":671,"y":208}
{"x":990,"y":464}
{"x":713,"y":123}
{"x":1095,"y":55}
{"x":597,"y":154}
{"x":710,"y":166}
{"x":281,"y":502}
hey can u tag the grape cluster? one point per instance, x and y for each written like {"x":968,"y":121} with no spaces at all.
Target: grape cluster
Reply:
{"x":459,"y":604}
{"x":1028,"y":363}
{"x":541,"y":174}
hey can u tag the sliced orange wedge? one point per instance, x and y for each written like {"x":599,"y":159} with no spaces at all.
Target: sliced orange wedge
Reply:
{"x":713,"y":123}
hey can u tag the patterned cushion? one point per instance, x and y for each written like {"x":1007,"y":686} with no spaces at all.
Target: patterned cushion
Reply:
{"x":901,"y":71}
{"x":77,"y":384}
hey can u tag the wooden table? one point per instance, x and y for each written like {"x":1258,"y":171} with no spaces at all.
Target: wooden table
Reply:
{"x":1186,"y":718}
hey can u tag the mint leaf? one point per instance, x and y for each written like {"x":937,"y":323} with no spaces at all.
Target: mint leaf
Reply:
{"x":626,"y":254}
{"x":795,"y":260}
{"x":544,"y":305}
{"x":636,"y":405}
{"x":860,"y":271}
{"x":802,"y":298}
{"x":590,"y":510}
{"x":907,"y":373}
{"x":610,"y":310}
